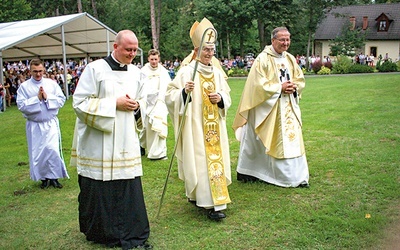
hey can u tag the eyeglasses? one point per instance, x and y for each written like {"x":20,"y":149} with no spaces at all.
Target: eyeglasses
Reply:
{"x":37,"y":71}
{"x":282,"y":40}
{"x":208,"y":50}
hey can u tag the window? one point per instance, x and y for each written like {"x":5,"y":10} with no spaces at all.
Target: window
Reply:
{"x":373,"y":51}
{"x":382,"y":25}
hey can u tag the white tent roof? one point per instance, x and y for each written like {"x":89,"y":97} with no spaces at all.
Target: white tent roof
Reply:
{"x":70,"y":36}
{"x":83,"y":35}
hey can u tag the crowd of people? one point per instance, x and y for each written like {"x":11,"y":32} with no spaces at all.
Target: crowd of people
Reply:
{"x":359,"y":58}
{"x":15,"y":73}
{"x":121,"y":115}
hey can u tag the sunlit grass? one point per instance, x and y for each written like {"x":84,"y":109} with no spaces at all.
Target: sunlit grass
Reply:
{"x":351,"y":128}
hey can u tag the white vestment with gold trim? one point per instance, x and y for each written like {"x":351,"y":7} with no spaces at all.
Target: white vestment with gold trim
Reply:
{"x":191,"y":149}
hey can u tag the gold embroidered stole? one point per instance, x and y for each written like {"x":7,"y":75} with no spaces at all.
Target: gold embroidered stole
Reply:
{"x":215,"y":164}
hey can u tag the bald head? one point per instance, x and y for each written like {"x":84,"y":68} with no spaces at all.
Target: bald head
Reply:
{"x":125,"y":46}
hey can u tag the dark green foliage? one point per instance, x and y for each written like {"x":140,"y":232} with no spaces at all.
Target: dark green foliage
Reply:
{"x":342,"y":65}
{"x":10,"y":10}
{"x":359,"y":68}
{"x":348,"y":41}
{"x":243,"y":26}
{"x":386,"y":66}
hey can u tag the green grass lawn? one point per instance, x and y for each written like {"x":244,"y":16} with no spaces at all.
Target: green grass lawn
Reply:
{"x":351,"y":128}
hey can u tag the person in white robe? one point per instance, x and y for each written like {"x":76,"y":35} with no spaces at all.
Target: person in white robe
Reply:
{"x":106,"y":150}
{"x":268,"y":119}
{"x":39,"y":100}
{"x":203,"y":146}
{"x":153,"y":137}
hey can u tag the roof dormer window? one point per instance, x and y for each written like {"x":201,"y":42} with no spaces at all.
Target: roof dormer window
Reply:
{"x":383,"y":22}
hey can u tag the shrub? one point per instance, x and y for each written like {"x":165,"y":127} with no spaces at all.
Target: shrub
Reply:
{"x":328,"y":65}
{"x":360,"y":68}
{"x":324,"y":71}
{"x":378,"y":64}
{"x":342,"y":65}
{"x":237,"y":72}
{"x":316,"y":66}
{"x":387,"y":66}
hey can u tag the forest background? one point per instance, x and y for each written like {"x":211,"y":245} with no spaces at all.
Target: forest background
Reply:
{"x":243,"y":26}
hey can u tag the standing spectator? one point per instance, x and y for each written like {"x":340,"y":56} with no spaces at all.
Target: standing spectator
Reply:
{"x":368,"y":60}
{"x":11,"y":86}
{"x":39,"y":100}
{"x":372,"y":59}
{"x":361,"y":58}
{"x":203,"y":147}
{"x":176,"y":63}
{"x":303,"y":62}
{"x":268,"y":120}
{"x":106,"y":149}
{"x":386,"y":57}
{"x":1,"y":97}
{"x":171,"y":72}
{"x":7,"y":93}
{"x":153,"y":137}
{"x":70,"y":83}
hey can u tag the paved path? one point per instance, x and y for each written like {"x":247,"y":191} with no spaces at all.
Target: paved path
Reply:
{"x":392,"y":232}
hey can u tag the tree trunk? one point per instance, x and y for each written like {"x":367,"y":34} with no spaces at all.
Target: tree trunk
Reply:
{"x":94,"y":9}
{"x":309,"y":40}
{"x":221,"y":50}
{"x":153,"y":25}
{"x":260,"y":26}
{"x":79,"y":3}
{"x":228,"y":45}
{"x":241,"y":45}
{"x":308,"y":50}
{"x":158,"y":23}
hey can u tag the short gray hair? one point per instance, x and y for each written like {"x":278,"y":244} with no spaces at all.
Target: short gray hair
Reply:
{"x":276,"y":30}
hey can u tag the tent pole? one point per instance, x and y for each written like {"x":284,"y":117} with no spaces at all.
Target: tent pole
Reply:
{"x":64,"y":62}
{"x":108,"y":42}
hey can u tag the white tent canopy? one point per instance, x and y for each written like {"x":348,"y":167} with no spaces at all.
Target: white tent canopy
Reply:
{"x":82,"y":34}
{"x":73,"y":36}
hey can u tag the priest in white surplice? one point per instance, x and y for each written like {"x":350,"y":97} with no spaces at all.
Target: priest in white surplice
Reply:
{"x":268,"y":120}
{"x":154,"y":135}
{"x":106,"y":149}
{"x":203,"y":148}
{"x":39,"y":100}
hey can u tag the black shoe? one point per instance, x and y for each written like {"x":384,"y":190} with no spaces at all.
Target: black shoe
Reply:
{"x":143,"y":246}
{"x":55,"y":183}
{"x":304,"y":185}
{"x":142,"y":151}
{"x":216,"y":215}
{"x":45,"y":184}
{"x":246,"y":178}
{"x":192,"y":202}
